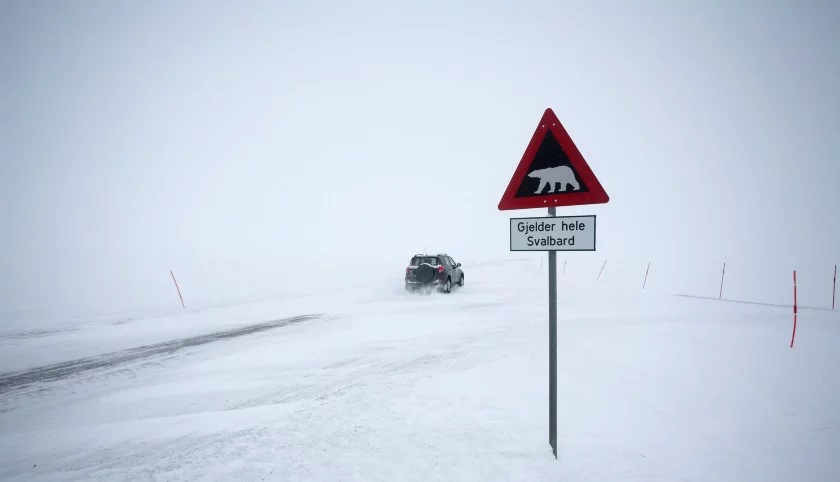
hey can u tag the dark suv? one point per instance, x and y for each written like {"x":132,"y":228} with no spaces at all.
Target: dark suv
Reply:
{"x":437,"y":271}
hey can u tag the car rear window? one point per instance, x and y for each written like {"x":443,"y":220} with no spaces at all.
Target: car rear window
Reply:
{"x":432,"y":260}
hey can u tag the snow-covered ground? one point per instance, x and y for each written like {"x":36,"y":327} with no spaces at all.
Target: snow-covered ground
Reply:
{"x":389,"y":386}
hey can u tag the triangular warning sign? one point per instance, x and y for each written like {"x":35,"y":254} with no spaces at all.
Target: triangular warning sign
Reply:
{"x":552,"y":172}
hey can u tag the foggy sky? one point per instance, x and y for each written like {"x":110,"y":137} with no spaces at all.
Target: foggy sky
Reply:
{"x":267,"y":139}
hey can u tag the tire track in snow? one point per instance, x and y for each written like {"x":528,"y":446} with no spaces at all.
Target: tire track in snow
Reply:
{"x":64,"y":370}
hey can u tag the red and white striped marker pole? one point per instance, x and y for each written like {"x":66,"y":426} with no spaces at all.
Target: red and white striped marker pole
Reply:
{"x":794,"y":309}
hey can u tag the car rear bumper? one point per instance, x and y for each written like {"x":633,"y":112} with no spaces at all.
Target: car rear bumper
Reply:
{"x":419,"y":285}
{"x":422,"y":283}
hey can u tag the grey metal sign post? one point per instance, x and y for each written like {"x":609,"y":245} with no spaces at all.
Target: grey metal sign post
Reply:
{"x":552,"y":345}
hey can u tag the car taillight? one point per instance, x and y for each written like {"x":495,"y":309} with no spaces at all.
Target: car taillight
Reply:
{"x":407,"y":269}
{"x":440,"y":269}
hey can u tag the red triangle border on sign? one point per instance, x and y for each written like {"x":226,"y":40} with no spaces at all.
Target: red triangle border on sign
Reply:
{"x":596,"y":194}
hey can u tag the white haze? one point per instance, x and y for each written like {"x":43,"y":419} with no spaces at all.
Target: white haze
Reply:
{"x":258,"y":149}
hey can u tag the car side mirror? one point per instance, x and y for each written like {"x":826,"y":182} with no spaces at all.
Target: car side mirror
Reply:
{"x":457,"y":265}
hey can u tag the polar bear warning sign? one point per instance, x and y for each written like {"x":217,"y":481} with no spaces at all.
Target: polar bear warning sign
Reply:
{"x":552,"y":172}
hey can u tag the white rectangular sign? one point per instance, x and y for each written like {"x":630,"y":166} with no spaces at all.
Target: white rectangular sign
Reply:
{"x":553,"y":233}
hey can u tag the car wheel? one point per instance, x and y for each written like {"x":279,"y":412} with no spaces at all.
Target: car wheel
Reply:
{"x":448,"y":286}
{"x":461,"y":281}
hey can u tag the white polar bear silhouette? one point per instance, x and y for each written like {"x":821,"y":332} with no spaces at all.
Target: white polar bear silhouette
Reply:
{"x":550,"y":176}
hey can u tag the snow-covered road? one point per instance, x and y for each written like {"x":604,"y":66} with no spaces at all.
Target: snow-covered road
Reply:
{"x":390,"y":386}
